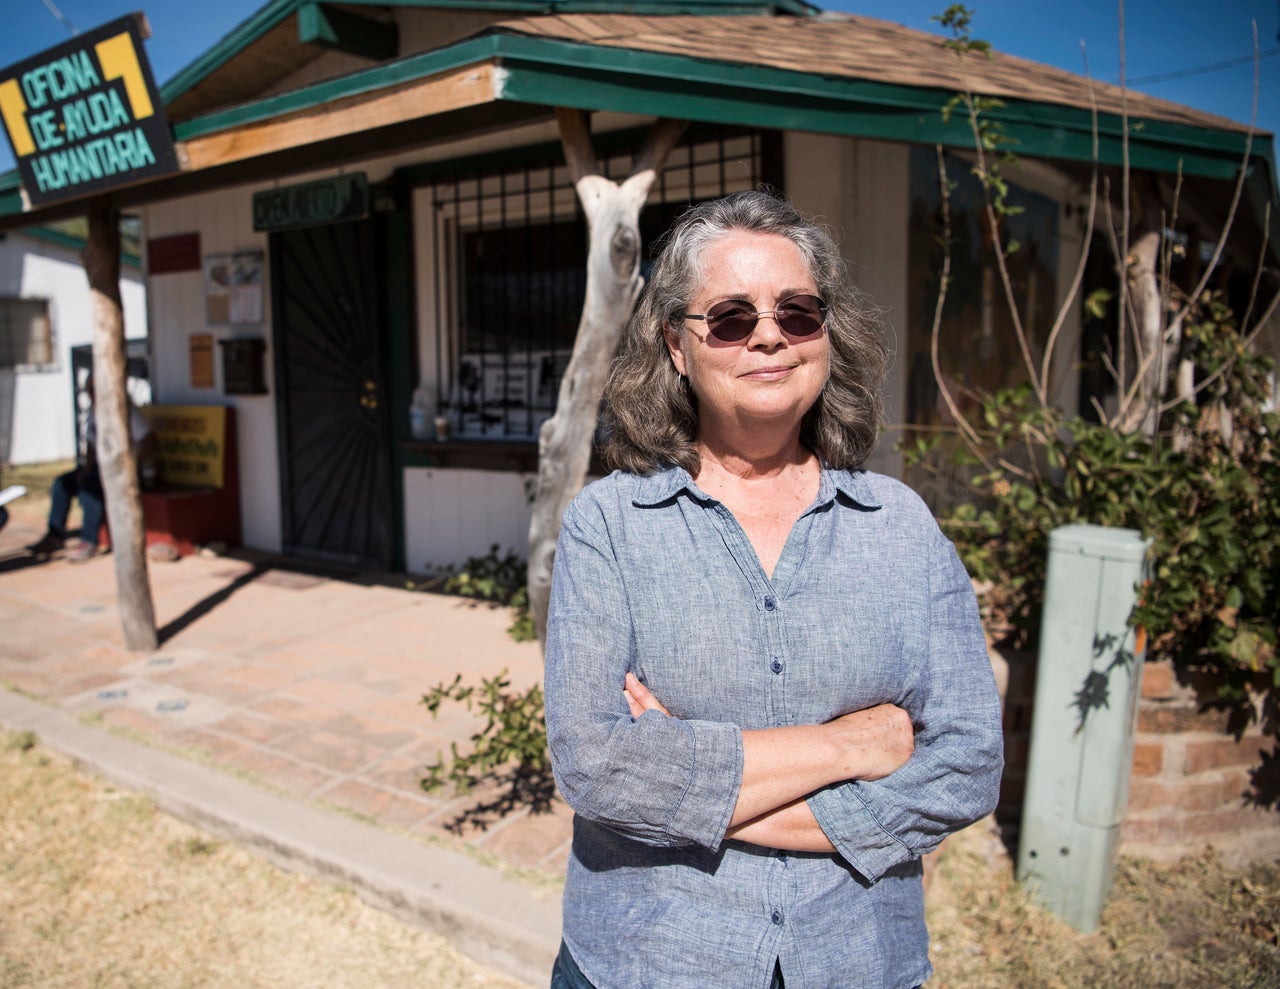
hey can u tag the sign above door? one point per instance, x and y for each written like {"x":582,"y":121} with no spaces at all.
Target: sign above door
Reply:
{"x":312,"y":204}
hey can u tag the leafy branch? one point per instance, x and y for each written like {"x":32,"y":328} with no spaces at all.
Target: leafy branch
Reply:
{"x":510,"y":749}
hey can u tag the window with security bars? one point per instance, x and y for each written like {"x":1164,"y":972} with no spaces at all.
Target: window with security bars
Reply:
{"x":510,"y":270}
{"x":26,"y":333}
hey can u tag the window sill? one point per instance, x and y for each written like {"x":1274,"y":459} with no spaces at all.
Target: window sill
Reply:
{"x":473,"y":454}
{"x":479,"y":454}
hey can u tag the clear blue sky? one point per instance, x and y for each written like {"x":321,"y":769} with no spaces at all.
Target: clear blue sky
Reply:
{"x":1162,"y":37}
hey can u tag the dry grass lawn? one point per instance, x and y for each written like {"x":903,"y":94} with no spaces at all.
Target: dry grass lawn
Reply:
{"x":99,"y":889}
{"x":1193,"y":925}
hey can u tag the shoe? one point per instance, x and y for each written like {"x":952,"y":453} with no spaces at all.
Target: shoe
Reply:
{"x":47,"y":546}
{"x":83,"y":553}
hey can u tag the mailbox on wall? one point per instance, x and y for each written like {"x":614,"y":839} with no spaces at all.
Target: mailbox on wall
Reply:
{"x":243,"y":366}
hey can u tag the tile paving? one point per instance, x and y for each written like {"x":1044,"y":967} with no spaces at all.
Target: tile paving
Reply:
{"x":304,"y":681}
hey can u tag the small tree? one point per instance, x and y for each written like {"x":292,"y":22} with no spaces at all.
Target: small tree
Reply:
{"x":1188,"y":454}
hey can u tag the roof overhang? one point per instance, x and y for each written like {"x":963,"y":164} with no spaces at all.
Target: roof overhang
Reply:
{"x":502,"y":77}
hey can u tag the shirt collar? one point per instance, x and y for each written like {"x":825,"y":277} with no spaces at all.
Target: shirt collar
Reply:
{"x":654,"y":489}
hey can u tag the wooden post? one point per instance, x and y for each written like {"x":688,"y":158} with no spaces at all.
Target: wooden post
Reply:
{"x":613,"y":284}
{"x":116,"y":461}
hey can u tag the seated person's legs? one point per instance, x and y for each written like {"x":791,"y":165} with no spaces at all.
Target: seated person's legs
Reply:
{"x":64,"y":488}
{"x":94,"y":509}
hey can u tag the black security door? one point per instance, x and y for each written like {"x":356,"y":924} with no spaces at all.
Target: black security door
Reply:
{"x":331,"y":395}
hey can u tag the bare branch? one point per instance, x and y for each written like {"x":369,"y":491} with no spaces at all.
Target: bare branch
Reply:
{"x":1263,"y":320}
{"x":1235,"y":196}
{"x":1014,"y":469}
{"x":662,"y":137}
{"x":1060,"y":320}
{"x":1122,"y":309}
{"x":575,"y":135}
{"x":1220,"y":246}
{"x":1126,"y":323}
{"x":1006,"y":281}
{"x":1261,"y":265}
{"x":1170,"y":337}
{"x":967,"y":432}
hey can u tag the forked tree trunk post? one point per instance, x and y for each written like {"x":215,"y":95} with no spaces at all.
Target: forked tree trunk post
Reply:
{"x":1151,"y":357}
{"x":613,"y":284}
{"x":116,"y":461}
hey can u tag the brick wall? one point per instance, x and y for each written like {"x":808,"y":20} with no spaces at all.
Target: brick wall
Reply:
{"x":1189,"y":780}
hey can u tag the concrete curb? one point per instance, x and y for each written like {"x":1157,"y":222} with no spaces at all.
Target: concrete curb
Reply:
{"x":494,"y":920}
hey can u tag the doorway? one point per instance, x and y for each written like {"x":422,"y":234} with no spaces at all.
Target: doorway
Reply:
{"x":331,"y":394}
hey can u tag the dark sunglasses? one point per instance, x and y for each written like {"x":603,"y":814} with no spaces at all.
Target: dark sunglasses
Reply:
{"x":732,"y":321}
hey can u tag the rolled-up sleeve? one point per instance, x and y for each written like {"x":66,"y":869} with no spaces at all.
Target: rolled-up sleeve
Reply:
{"x":953,"y":777}
{"x":662,"y":781}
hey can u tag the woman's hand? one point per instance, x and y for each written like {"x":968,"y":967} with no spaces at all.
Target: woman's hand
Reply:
{"x":877,"y":740}
{"x":640,"y":698}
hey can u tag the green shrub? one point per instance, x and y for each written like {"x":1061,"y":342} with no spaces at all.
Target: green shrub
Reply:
{"x":501,"y":579}
{"x":1205,"y":489}
{"x":510,"y":749}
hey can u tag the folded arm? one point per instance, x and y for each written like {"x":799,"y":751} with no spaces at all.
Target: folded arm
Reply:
{"x":782,"y":766}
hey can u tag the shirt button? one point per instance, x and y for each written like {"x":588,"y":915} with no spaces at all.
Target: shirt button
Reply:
{"x":769,"y":604}
{"x":777,"y":917}
{"x":776,"y":666}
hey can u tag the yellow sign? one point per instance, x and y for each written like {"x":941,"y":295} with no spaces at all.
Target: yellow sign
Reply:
{"x":192,"y":443}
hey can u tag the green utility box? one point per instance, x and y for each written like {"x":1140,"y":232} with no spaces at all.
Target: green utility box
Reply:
{"x":1082,"y":729}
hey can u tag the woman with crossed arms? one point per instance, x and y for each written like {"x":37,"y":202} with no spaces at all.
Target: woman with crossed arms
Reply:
{"x":767,"y":687}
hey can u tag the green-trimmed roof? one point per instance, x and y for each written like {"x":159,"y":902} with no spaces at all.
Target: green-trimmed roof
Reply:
{"x":560,"y":70}
{"x":275,"y":12}
{"x":826,"y":73}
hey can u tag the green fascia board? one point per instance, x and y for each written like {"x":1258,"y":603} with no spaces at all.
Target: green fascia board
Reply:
{"x":914,"y":125}
{"x":605,"y":145}
{"x":72,"y":243}
{"x":595,"y":77}
{"x":325,"y":25}
{"x":408,"y":69}
{"x":11,"y":193}
{"x":559,"y":73}
{"x":272,"y":13}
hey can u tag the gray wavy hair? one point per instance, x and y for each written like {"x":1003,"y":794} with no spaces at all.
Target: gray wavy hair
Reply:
{"x":650,"y":412}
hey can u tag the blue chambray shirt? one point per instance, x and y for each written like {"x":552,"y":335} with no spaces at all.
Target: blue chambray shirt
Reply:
{"x":868,"y":604}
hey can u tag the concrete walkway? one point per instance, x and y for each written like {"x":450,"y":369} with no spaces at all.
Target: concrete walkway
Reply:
{"x":282,"y":709}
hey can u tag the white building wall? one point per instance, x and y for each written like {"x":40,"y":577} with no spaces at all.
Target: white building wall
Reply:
{"x":35,"y":402}
{"x":451,"y":515}
{"x":224,"y":221}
